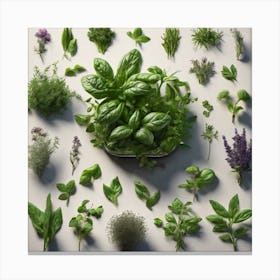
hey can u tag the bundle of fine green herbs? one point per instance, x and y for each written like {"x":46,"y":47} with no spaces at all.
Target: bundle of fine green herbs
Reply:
{"x":135,"y":113}
{"x":48,"y":94}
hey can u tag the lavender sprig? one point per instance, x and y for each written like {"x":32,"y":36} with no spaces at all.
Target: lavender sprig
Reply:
{"x":74,"y":153}
{"x":239,"y":156}
{"x":43,"y":38}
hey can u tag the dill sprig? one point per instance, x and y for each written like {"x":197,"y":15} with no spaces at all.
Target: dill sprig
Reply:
{"x":171,"y":39}
{"x":239,"y":44}
{"x":203,"y":70}
{"x":206,"y":37}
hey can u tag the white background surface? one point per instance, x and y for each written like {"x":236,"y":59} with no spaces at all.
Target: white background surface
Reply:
{"x":166,"y":178}
{"x":16,"y":17}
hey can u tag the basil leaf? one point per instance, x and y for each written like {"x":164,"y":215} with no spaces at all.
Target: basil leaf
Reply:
{"x":63,"y":196}
{"x":37,"y":218}
{"x":240,"y":232}
{"x":226,"y":238}
{"x":120,"y":132}
{"x":144,"y":136}
{"x":71,"y":187}
{"x":220,"y":228}
{"x":243,"y":95}
{"x":67,"y":36}
{"x":70,"y":72}
{"x":150,"y":78}
{"x":108,"y":192}
{"x":158,"y":222}
{"x":47,"y":222}
{"x":169,"y":144}
{"x":233,"y":207}
{"x":169,"y":217}
{"x":135,"y":120}
{"x":223,"y":95}
{"x":56,"y":223}
{"x":82,"y":119}
{"x":97,"y":213}
{"x":143,"y":39}
{"x":72,"y":47}
{"x":193,"y":169}
{"x":135,"y":88}
{"x":153,"y":200}
{"x":207,"y":175}
{"x":129,"y":65}
{"x":156,"y":121}
{"x":137,"y":32}
{"x":103,"y":68}
{"x":79,"y":69}
{"x":113,"y":191}
{"x":61,"y":187}
{"x":141,"y":190}
{"x":169,"y":229}
{"x":155,"y":70}
{"x":110,"y":112}
{"x":85,"y":179}
{"x":216,"y":219}
{"x":219,"y":209}
{"x":242,"y":216}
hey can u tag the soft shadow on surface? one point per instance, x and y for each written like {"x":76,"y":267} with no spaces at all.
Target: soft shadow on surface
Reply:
{"x":247,"y":54}
{"x":167,"y":167}
{"x":247,"y":181}
{"x":66,"y":115}
{"x":144,"y":246}
{"x":54,"y":246}
{"x":49,"y":174}
{"x":209,"y":188}
{"x":245,"y":119}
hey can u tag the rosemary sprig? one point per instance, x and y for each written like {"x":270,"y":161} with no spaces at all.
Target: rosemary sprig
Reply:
{"x":171,"y":39}
{"x":206,"y":37}
{"x":239,"y":44}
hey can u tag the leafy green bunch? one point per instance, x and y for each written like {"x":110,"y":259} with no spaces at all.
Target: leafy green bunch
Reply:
{"x":179,"y":222}
{"x":203,"y":70}
{"x":200,"y":179}
{"x":171,"y":39}
{"x":40,"y":150}
{"x":206,"y":37}
{"x":233,"y":107}
{"x":139,"y":114}
{"x":47,"y":93}
{"x":225,"y":220}
{"x":83,"y":223}
{"x":127,"y":230}
{"x":46,"y":223}
{"x":101,"y":37}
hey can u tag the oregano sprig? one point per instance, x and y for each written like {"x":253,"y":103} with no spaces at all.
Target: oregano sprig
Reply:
{"x":83,"y":223}
{"x":200,"y":178}
{"x":66,"y":190}
{"x":143,"y":193}
{"x":179,"y":222}
{"x":208,"y":108}
{"x":225,"y":220}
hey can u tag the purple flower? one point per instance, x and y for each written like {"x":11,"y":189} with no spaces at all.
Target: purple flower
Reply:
{"x":43,"y":34}
{"x":36,"y":132}
{"x":239,"y":156}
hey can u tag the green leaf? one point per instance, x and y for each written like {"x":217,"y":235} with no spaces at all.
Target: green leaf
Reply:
{"x":103,"y":68}
{"x":93,"y":172}
{"x":242,"y":216}
{"x":85,"y":179}
{"x":143,"y":39}
{"x":233,"y":206}
{"x":237,"y":109}
{"x":82,"y":119}
{"x":63,"y":196}
{"x":226,"y":238}
{"x":223,"y":95}
{"x":169,"y":217}
{"x":70,"y":72}
{"x":56,"y":223}
{"x":193,"y":169}
{"x":71,"y":187}
{"x":158,"y":222}
{"x":153,"y":200}
{"x":120,"y":132}
{"x":141,"y":190}
{"x":82,"y":209}
{"x":169,"y":229}
{"x":144,"y":136}
{"x":135,"y":120}
{"x":61,"y":187}
{"x":243,"y":95}
{"x":79,"y":69}
{"x":216,"y":219}
{"x":137,"y":32}
{"x":37,"y":218}
{"x":240,"y":232}
{"x":137,"y":88}
{"x":72,"y":47}
{"x":207,"y":175}
{"x":229,"y":74}
{"x":156,"y":121}
{"x":73,"y":222}
{"x":219,"y":209}
{"x":67,"y":36}
{"x":220,"y":228}
{"x":47,"y":221}
{"x":97,"y":212}
{"x":109,"y":193}
{"x":230,"y":107}
{"x":113,"y":191}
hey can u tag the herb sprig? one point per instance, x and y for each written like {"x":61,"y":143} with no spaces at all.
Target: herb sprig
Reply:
{"x":233,"y":107}
{"x":69,"y":43}
{"x":66,"y":190}
{"x":229,"y":73}
{"x":209,"y":134}
{"x":209,"y":108}
{"x":89,"y":174}
{"x":203,"y":70}
{"x":138,"y":36}
{"x":46,"y":223}
{"x":179,"y":222}
{"x":143,"y":193}
{"x":83,"y":223}
{"x":171,"y":39}
{"x":206,"y":37}
{"x":113,"y":191}
{"x":224,"y":220}
{"x":239,"y":44}
{"x":101,"y":37}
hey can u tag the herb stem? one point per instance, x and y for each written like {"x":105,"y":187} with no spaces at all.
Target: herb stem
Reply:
{"x":209,"y":150}
{"x":80,"y":239}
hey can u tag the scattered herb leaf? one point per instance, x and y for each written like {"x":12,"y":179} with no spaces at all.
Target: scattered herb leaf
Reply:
{"x":138,"y":36}
{"x":229,"y":73}
{"x":88,"y":175}
{"x":113,"y":191}
{"x":66,"y":190}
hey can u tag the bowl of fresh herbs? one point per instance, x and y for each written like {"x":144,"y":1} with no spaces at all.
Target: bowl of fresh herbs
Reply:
{"x":133,"y":113}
